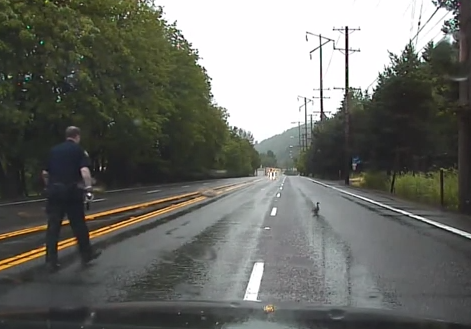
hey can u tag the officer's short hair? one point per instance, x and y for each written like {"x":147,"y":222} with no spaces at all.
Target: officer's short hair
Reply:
{"x":72,"y":132}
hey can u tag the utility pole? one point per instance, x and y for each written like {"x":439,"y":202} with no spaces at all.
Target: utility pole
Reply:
{"x":299,"y":132}
{"x":305,"y":120}
{"x":318,"y":112}
{"x":322,"y":42}
{"x":311,"y":126}
{"x":322,"y":97}
{"x":464,"y":120}
{"x":306,"y":100}
{"x":346,"y":51}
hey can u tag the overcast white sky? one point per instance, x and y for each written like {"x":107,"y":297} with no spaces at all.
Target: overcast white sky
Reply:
{"x":258,"y":58}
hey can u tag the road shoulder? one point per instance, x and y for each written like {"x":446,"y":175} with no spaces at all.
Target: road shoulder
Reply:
{"x":449,"y":221}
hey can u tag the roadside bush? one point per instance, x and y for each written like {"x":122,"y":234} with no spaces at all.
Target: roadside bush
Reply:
{"x":424,"y":187}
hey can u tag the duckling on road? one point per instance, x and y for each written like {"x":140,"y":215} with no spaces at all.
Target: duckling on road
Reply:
{"x":315,"y":210}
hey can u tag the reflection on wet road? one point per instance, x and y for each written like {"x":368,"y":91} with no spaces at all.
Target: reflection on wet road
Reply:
{"x":263,"y":243}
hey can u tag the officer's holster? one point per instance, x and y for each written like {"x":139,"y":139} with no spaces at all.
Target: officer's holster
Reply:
{"x":62,"y":192}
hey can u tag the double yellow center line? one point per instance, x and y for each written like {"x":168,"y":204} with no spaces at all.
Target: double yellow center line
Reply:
{"x":41,"y":251}
{"x":115,"y":211}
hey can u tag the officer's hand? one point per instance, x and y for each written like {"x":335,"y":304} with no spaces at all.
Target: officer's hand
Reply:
{"x":88,"y":196}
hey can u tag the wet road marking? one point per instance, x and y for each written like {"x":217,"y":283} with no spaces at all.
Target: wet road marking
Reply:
{"x":43,"y":199}
{"x":39,"y":228}
{"x":154,"y":191}
{"x":253,"y":287}
{"x":278,"y":195}
{"x":29,"y":230}
{"x":450,"y":229}
{"x":21,"y":202}
{"x":273,"y":211}
{"x":185,"y":186}
{"x":41,"y":251}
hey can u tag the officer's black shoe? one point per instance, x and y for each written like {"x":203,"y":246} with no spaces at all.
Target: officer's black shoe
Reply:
{"x":53,"y":266}
{"x":90,"y":257}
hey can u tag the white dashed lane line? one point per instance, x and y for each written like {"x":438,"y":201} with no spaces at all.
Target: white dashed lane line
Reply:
{"x":253,"y":287}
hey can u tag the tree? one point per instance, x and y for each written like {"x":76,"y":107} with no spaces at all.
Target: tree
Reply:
{"x":269,"y":159}
{"x":127,"y":77}
{"x":405,"y":124}
{"x":450,"y":25}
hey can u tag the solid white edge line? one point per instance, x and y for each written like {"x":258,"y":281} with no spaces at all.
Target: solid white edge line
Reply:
{"x":400,"y":211}
{"x":21,"y":202}
{"x":273,"y":211}
{"x":253,"y":287}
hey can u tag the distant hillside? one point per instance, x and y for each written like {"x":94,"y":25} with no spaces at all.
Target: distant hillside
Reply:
{"x":279,"y":144}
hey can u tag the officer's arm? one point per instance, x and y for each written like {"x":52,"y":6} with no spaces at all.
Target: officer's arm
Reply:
{"x":85,"y":164}
{"x":45,"y":176}
{"x":45,"y":172}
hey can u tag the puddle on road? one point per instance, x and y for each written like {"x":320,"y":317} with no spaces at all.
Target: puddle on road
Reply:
{"x":179,"y":274}
{"x":345,"y":282}
{"x":209,"y":265}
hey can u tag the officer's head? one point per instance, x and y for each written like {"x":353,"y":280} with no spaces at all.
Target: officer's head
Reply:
{"x":73,"y":133}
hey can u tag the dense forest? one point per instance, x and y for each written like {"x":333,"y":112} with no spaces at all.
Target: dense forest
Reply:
{"x":127,"y":77}
{"x":406,"y":126}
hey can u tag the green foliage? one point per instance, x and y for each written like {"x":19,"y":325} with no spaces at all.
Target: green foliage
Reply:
{"x":452,"y":24}
{"x":418,"y":187}
{"x":127,"y":77}
{"x":406,"y":125}
{"x":268,"y":159}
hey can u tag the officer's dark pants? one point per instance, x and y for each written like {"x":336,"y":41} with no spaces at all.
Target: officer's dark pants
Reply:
{"x":68,"y":201}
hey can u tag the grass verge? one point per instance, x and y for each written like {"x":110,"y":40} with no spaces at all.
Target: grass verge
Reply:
{"x":422,"y":187}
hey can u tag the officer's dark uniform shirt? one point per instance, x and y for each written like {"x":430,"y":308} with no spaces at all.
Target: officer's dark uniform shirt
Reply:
{"x":64,"y":163}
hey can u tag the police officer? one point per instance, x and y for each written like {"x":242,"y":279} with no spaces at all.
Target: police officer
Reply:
{"x":67,"y":176}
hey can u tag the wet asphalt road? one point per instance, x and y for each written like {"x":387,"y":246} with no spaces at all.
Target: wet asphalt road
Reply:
{"x":18,"y":215}
{"x":351,"y":255}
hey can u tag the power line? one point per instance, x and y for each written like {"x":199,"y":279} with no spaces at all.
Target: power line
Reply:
{"x":440,"y":21}
{"x":433,"y":27}
{"x":420,"y":19}
{"x":332,"y":55}
{"x":405,"y":11}
{"x":423,"y":26}
{"x":412,"y":16}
